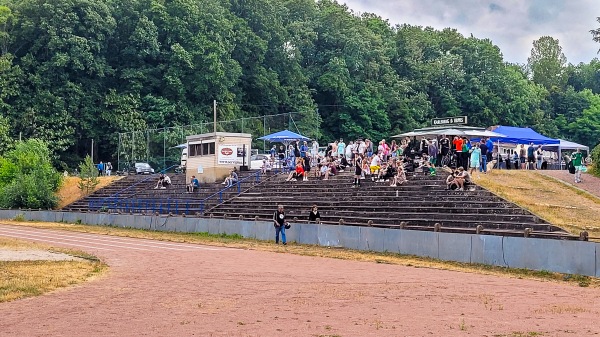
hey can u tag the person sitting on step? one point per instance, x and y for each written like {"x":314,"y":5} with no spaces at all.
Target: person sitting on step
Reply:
{"x":194,"y":184}
{"x":232,"y":178}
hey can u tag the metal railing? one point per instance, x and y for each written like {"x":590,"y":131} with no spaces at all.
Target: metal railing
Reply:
{"x":185,"y":206}
{"x":115,"y":197}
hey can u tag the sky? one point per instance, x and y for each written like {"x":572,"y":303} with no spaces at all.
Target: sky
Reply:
{"x":512,"y":25}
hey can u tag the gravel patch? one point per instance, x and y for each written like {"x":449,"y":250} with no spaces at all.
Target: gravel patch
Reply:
{"x":34,"y":255}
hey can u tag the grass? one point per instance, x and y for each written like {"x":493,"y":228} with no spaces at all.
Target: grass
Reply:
{"x":559,"y":204}
{"x":235,"y":241}
{"x":69,"y":192}
{"x":21,"y":279}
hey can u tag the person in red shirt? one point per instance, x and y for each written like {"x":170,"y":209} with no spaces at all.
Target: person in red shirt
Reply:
{"x":458,"y":143}
{"x":297,"y":174}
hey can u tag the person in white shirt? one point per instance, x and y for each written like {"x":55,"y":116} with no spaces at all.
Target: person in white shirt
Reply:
{"x":375,"y":165}
{"x":362,"y":147}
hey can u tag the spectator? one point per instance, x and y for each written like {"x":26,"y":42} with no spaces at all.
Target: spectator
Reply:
{"x":297,"y":173}
{"x":444,"y":149}
{"x":400,"y":177}
{"x":304,"y":150}
{"x":577,"y":160}
{"x":273,"y":152}
{"x":194,"y":183}
{"x":267,"y":166}
{"x":369,"y":146}
{"x":484,"y":156}
{"x":281,"y":153}
{"x":159,"y":183}
{"x":462,"y":178}
{"x":315,"y":148}
{"x":531,"y":157}
{"x":108,"y":169}
{"x":232,"y":178}
{"x":324,"y":171}
{"x":280,"y":224}
{"x":539,"y":154}
{"x":357,"y":172}
{"x":375,"y":165}
{"x":314,"y":214}
{"x":432,"y":151}
{"x":451,"y":183}
{"x":475,"y":158}
{"x":523,"y":156}
{"x":341,"y":149}
{"x":101,"y":169}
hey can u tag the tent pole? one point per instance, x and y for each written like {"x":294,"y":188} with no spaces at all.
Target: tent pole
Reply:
{"x":559,"y":157}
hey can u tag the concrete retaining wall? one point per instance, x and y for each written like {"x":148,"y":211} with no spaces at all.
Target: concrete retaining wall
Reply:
{"x":572,"y":257}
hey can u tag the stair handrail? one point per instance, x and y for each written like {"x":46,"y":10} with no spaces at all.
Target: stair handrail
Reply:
{"x":98,"y":204}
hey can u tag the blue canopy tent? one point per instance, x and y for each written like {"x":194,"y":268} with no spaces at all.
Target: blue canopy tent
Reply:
{"x":516,"y":135}
{"x":285,"y":137}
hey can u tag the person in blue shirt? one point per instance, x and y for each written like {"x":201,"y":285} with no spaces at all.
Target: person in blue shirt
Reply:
{"x":303,"y":150}
{"x":194,"y":183}
{"x":101,"y":169}
{"x":341,"y":148}
{"x":273,"y":152}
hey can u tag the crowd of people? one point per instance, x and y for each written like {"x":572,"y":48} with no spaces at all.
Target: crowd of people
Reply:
{"x":383,"y":161}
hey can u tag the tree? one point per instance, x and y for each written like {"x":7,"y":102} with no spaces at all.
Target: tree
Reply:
{"x":596,"y":34}
{"x":547,"y":63}
{"x":6,"y":142}
{"x":88,"y":176}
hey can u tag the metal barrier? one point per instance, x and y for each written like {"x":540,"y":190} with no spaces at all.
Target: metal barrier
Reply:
{"x":172,"y":205}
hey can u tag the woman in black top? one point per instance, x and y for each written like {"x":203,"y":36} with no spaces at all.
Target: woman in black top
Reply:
{"x":314,"y":214}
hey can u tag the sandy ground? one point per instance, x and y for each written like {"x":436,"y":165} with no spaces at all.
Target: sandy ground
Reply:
{"x":159,"y":288}
{"x":69,"y":192}
{"x":34,"y":255}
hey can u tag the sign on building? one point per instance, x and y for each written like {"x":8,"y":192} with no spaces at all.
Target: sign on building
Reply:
{"x":449,"y":121}
{"x":230,"y":155}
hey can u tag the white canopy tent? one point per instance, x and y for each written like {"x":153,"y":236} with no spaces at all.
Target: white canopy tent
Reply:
{"x":565,"y":145}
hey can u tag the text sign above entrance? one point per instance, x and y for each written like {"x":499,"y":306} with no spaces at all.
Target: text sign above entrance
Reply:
{"x":449,"y":120}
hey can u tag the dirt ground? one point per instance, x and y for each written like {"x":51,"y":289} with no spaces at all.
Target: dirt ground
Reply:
{"x":175,"y":289}
{"x":34,"y":255}
{"x":69,"y":192}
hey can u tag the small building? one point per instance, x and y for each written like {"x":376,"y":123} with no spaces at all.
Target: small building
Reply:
{"x":210,"y":156}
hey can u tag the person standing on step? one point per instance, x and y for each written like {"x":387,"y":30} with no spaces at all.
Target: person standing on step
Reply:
{"x":475,"y":159}
{"x":444,"y":148}
{"x":531,"y":157}
{"x":357,"y":171}
{"x":280,"y":224}
{"x":484,"y":155}
{"x":523,"y":156}
{"x":341,"y":148}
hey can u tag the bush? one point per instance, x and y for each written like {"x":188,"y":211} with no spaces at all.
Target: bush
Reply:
{"x":595,"y":154}
{"x":27,"y":178}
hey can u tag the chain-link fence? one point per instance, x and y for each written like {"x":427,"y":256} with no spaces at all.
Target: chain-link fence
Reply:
{"x":161,"y":147}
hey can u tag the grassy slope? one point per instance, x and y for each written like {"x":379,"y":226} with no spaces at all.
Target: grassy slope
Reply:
{"x":569,"y":208}
{"x":69,"y":192}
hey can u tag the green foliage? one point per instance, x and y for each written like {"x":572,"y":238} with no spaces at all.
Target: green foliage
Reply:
{"x":547,"y":62}
{"x":595,"y":154}
{"x":88,"y":176}
{"x":6,"y":142}
{"x":76,"y":70}
{"x":27,"y":178}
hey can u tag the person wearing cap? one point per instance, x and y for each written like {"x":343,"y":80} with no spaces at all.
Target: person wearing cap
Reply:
{"x":280,"y":224}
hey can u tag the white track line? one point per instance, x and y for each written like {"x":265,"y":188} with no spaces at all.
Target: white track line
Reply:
{"x":115,"y":239}
{"x":45,"y":237}
{"x":51,"y":241}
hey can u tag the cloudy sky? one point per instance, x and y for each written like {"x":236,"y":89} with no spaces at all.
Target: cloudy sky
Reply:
{"x":513,"y":25}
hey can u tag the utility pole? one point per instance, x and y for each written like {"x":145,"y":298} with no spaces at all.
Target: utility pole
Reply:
{"x":215,"y":116}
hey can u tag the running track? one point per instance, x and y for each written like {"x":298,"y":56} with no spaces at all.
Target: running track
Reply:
{"x":157,"y":288}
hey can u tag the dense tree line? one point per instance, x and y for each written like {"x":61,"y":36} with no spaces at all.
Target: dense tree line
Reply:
{"x":73,"y":70}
